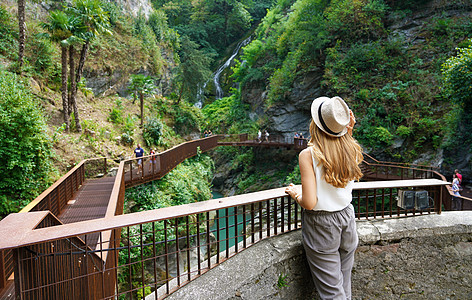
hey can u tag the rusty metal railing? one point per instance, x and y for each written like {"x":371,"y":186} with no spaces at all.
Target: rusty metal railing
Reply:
{"x":156,"y":166}
{"x":55,"y":198}
{"x":372,"y":160}
{"x":160,"y":250}
{"x":399,"y":172}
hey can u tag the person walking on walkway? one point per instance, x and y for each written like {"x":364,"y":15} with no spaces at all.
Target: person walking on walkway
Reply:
{"x":456,"y":202}
{"x":328,"y":168}
{"x":459,"y":176}
{"x":152,"y":160}
{"x":139,"y":152}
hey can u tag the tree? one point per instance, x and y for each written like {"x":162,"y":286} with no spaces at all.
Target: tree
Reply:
{"x":457,"y":88}
{"x":93,"y":21}
{"x":21,"y":33}
{"x":457,"y":72}
{"x":25,"y":147}
{"x":60,"y":26}
{"x":194,"y":68}
{"x":141,"y":85}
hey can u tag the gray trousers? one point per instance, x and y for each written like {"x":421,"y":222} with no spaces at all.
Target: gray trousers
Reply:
{"x":330,"y":240}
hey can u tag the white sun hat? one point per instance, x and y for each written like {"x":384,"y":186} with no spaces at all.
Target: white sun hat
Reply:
{"x":331,"y":115}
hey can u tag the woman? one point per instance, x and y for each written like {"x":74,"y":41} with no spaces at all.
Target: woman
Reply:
{"x":328,"y":168}
{"x":456,"y":202}
{"x":152,"y":160}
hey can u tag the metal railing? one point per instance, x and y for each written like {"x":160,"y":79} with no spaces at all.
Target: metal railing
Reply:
{"x":370,"y":159}
{"x":399,"y":172}
{"x":160,"y":250}
{"x":55,"y":198}
{"x":245,"y":137}
{"x":164,"y":248}
{"x":156,"y":166}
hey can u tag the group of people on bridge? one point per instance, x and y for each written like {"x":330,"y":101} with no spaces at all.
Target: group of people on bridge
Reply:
{"x":259,"y":136}
{"x":139,"y":153}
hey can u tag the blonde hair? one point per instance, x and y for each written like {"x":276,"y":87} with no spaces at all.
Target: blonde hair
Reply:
{"x":339,"y":156}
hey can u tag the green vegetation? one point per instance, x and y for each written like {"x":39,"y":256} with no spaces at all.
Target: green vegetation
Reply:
{"x":188,"y":182}
{"x":140,"y":85}
{"x":228,"y":115}
{"x":390,"y":84}
{"x":282,"y":281}
{"x":25,"y":147}
{"x":457,"y":87}
{"x":205,"y":30}
{"x":212,"y":24}
{"x":257,"y":169}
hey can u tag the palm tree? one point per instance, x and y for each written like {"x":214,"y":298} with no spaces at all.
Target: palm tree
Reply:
{"x":141,"y":85}
{"x":93,"y":21}
{"x":59,"y":27}
{"x":21,"y":33}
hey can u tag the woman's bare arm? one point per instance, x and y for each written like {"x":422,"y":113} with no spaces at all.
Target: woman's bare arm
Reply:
{"x":307,"y":199}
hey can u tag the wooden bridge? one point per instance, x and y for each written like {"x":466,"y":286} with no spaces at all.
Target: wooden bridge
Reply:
{"x":72,"y":241}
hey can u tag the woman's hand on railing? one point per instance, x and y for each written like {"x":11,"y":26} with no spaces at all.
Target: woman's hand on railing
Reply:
{"x":293,"y":192}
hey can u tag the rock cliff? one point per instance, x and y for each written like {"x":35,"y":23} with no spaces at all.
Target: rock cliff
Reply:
{"x":413,"y":30}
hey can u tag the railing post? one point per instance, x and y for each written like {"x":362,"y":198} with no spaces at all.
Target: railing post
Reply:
{"x":3,"y":279}
{"x":18,"y":274}
{"x":441,"y":194}
{"x":104,"y":166}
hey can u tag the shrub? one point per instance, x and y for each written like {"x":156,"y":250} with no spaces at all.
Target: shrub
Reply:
{"x":457,"y":72}
{"x":382,"y":135}
{"x":116,"y":113}
{"x":40,"y":54}
{"x":25,"y":147}
{"x":189,"y":182}
{"x":127,"y":139}
{"x":227,"y":115}
{"x":152,"y":131}
{"x":187,"y":118}
{"x":8,"y":35}
{"x":403,"y":131}
{"x":354,"y":20}
{"x":115,"y":116}
{"x":129,"y":124}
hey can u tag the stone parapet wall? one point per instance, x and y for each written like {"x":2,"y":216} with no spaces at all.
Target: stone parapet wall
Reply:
{"x":423,"y":257}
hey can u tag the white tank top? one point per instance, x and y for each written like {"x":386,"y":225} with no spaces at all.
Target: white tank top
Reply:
{"x":330,"y":198}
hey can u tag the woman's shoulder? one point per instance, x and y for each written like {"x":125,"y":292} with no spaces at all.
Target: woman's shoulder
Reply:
{"x":305,"y":155}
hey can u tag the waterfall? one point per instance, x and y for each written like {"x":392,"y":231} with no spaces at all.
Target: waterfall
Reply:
{"x":216,"y":76}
